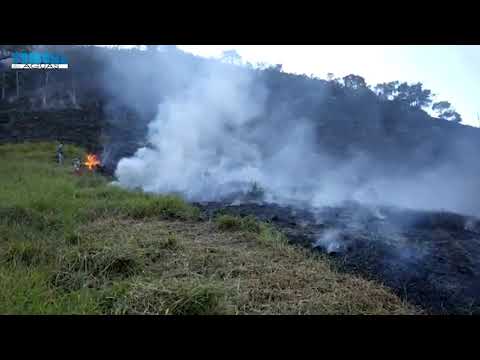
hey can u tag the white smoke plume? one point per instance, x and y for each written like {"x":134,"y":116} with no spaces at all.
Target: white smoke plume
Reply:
{"x":199,"y":142}
{"x":330,"y":241}
{"x":214,"y":134}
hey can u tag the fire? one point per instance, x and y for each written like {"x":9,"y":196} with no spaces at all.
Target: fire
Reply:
{"x":92,"y":161}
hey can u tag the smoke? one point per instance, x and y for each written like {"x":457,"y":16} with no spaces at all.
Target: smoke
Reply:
{"x":214,"y":138}
{"x":217,"y":130}
{"x":330,"y":241}
{"x":199,"y":139}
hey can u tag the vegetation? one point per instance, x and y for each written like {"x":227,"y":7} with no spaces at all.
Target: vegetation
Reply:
{"x":75,"y":89}
{"x":77,"y":245}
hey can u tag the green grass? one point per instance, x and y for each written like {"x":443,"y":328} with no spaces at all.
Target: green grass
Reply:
{"x":37,"y":192}
{"x":42,"y":206}
{"x":78,"y":245}
{"x":234,"y":223}
{"x":27,"y":291}
{"x":167,"y":297}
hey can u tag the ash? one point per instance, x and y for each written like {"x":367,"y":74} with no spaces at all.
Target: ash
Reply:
{"x":429,"y":258}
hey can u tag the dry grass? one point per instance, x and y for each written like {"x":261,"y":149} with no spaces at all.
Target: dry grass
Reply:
{"x":243,"y":273}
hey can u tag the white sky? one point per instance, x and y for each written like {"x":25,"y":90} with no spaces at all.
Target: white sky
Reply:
{"x":450,"y":71}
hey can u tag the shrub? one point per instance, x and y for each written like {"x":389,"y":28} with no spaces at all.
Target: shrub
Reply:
{"x":250,"y":223}
{"x":229,"y":222}
{"x":234,"y":223}
{"x":272,"y":237}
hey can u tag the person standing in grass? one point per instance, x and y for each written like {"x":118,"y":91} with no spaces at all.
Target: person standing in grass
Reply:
{"x":60,"y":153}
{"x":77,"y":166}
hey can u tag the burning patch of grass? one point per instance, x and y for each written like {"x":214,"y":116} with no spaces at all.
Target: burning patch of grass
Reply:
{"x":52,"y":198}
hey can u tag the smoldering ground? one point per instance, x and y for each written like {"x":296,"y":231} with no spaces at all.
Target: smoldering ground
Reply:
{"x":427,"y":258}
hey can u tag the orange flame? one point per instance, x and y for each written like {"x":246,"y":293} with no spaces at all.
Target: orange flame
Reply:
{"x":92,"y":161}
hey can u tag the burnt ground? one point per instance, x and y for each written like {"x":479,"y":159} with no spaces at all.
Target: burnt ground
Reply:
{"x":431,"y":259}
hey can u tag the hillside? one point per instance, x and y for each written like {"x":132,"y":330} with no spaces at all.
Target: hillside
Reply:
{"x":77,"y":245}
{"x":118,"y":91}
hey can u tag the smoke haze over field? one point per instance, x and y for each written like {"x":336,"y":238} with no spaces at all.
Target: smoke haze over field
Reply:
{"x":217,"y":130}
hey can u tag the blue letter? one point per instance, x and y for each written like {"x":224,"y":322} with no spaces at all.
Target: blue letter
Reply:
{"x":34,"y":58}
{"x":17,"y":58}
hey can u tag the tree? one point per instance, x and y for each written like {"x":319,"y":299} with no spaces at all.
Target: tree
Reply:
{"x":17,"y":82}
{"x":445,"y":111}
{"x":232,"y":57}
{"x":387,"y":91}
{"x":440,"y":107}
{"x":354,"y":82}
{"x":414,"y":95}
{"x":6,"y":52}
{"x":452,"y":115}
{"x":277,"y":67}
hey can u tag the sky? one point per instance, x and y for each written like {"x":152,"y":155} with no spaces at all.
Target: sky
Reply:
{"x":449,"y":71}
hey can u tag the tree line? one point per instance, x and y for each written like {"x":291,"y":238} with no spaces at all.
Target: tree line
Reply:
{"x":73,"y":88}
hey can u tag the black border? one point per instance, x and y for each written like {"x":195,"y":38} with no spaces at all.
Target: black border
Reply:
{"x":241,"y":23}
{"x":317,"y":333}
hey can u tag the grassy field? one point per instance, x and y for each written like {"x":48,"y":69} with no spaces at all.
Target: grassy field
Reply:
{"x":78,"y":245}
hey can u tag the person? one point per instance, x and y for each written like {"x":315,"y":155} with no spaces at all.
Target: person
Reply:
{"x":60,"y":153}
{"x":76,"y":166}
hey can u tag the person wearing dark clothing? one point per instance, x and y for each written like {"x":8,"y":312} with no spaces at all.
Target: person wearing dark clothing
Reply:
{"x":60,"y":153}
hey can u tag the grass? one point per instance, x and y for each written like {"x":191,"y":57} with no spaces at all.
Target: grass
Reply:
{"x":26,"y":291}
{"x":78,"y":245}
{"x":234,"y":223}
{"x":162,"y":297}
